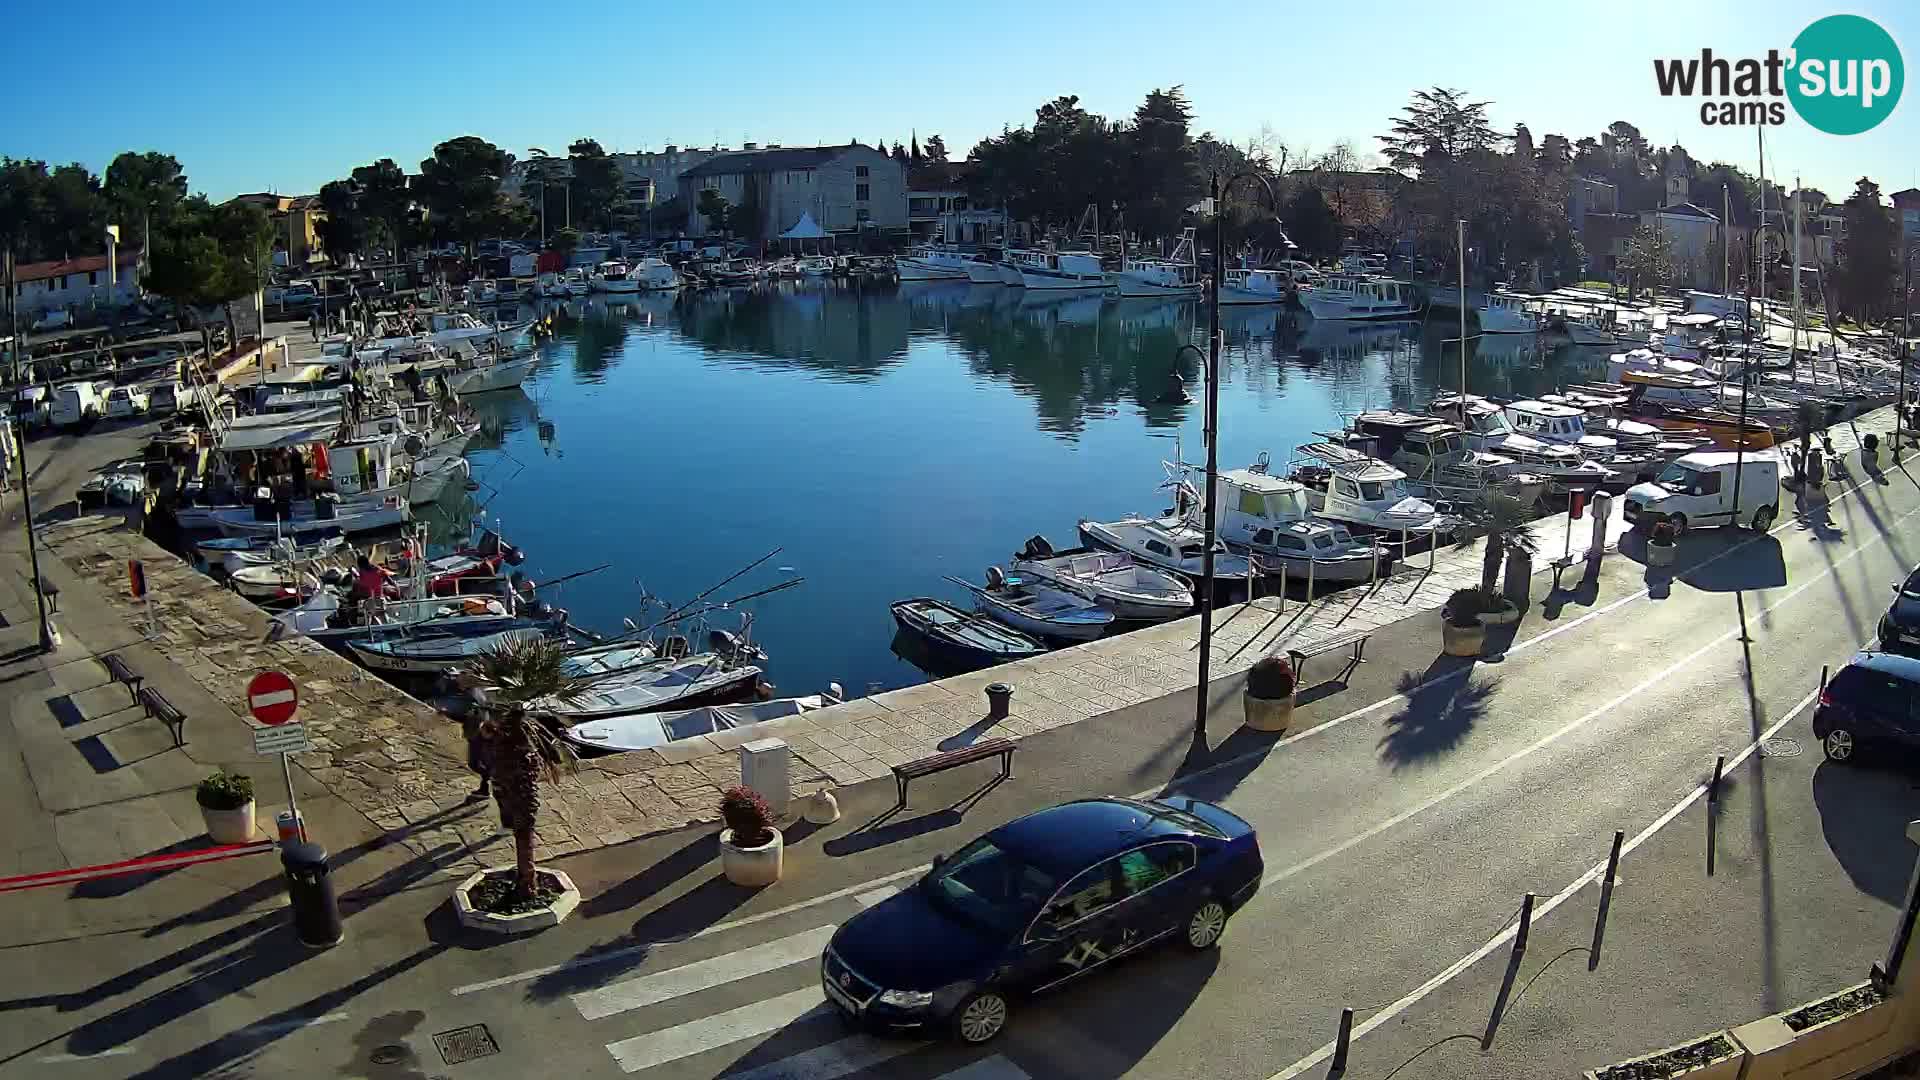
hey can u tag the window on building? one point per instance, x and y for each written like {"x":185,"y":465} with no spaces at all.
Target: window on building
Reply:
{"x":859,"y":193}
{"x":859,"y":170}
{"x":861,"y":214}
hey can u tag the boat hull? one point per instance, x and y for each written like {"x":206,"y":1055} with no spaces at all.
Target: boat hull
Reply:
{"x":1132,"y":287}
{"x":372,"y":519}
{"x":915,"y":270}
{"x":1009,"y":276}
{"x":1232,"y":295}
{"x":1040,"y":280}
{"x":493,"y":377}
{"x":1039,"y":626}
{"x":983,"y":273}
{"x":950,"y":650}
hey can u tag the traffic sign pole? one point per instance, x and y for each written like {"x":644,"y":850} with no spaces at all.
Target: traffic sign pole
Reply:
{"x":273,"y":700}
{"x":286,"y":771}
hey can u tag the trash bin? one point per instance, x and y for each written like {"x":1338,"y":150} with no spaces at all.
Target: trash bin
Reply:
{"x":316,"y":913}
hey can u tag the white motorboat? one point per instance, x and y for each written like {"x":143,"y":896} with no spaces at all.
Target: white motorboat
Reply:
{"x":655,"y":275}
{"x":648,"y":731}
{"x":388,"y":513}
{"x":933,"y":262}
{"x":1059,"y":270}
{"x":1489,"y":430}
{"x":423,"y":652}
{"x":1506,"y":313}
{"x":574,"y":282}
{"x":498,"y":375}
{"x":1348,"y":486}
{"x":1176,"y":275}
{"x":1560,"y":423}
{"x":547,"y":286}
{"x":982,"y":270}
{"x":1034,"y":609}
{"x":1008,"y":273}
{"x":608,"y":659}
{"x":817,"y":267}
{"x":1241,"y":285}
{"x":1108,"y":578}
{"x":1171,"y":543}
{"x":664,"y":684}
{"x":1348,"y":296}
{"x":275,"y":552}
{"x":447,"y":329}
{"x":615,"y":276}
{"x":1266,"y":517}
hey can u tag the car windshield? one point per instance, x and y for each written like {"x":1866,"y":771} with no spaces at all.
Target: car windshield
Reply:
{"x":1911,"y":589}
{"x":1676,"y":477}
{"x":988,"y":887}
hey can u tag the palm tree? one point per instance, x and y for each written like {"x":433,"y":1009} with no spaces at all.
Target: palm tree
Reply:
{"x":520,"y":748}
{"x":1504,"y":520}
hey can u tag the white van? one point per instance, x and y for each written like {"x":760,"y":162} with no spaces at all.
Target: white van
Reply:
{"x":127,"y":402}
{"x":33,"y":407}
{"x":76,"y":403}
{"x":167,"y":396}
{"x":1697,"y":489}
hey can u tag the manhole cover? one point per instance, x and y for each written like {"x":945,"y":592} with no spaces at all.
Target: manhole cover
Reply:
{"x":466,"y":1044}
{"x":1780,"y":748}
{"x":390,"y":1054}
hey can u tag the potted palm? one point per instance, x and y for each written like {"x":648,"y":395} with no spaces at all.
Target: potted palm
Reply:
{"x":506,"y":681}
{"x":226,"y":805}
{"x":1268,"y":700}
{"x":750,"y":847}
{"x":1504,"y":520}
{"x":1660,"y":544}
{"x":1461,"y":632}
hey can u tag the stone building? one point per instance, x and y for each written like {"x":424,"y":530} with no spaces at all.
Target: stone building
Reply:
{"x":848,"y":189}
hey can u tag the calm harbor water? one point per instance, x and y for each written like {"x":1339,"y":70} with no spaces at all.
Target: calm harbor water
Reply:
{"x":884,"y":438}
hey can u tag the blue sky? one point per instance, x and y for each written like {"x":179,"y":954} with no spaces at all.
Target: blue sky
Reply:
{"x":253,"y":97}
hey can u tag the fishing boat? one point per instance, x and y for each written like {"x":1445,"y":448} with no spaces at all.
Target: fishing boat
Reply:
{"x":1488,"y":430}
{"x":308,"y":517}
{"x":488,"y":377}
{"x":1034,"y":609}
{"x":1108,"y":578}
{"x":1349,"y":296}
{"x":1346,"y":485}
{"x":1266,"y":517}
{"x":574,"y":282}
{"x":1059,"y":270}
{"x":962,"y":640}
{"x":1176,"y":275}
{"x":615,"y":276}
{"x":933,"y":262}
{"x":1170,"y":543}
{"x":667,"y":683}
{"x":648,"y":731}
{"x":1241,"y":285}
{"x":1506,"y":313}
{"x":431,"y":649}
{"x":237,"y":551}
{"x":609,"y":659}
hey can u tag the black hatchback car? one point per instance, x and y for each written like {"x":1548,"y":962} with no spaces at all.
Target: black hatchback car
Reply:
{"x":1875,"y":699}
{"x":1900,"y":626}
{"x":1037,"y":903}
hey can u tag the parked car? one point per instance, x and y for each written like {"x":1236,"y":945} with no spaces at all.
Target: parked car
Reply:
{"x":127,"y":402}
{"x":1900,"y":626}
{"x":1697,"y":489}
{"x":1869,"y":704}
{"x":1037,"y":903}
{"x":54,"y":319}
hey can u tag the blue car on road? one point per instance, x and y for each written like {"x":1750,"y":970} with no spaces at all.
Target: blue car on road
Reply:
{"x":1036,"y":904}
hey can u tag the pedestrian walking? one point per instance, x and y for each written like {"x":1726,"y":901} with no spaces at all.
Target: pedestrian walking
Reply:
{"x":1816,"y":470}
{"x":313,"y":324}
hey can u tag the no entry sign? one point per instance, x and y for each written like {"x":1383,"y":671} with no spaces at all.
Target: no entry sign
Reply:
{"x":271,"y":697}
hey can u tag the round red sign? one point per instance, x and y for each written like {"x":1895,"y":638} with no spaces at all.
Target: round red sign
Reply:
{"x":272,"y":698}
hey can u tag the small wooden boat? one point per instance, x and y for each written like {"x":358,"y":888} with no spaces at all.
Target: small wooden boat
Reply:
{"x":1108,"y":578}
{"x":608,"y":659}
{"x":432,"y":650}
{"x":646,"y":731}
{"x":962,"y":640}
{"x":1034,"y":609}
{"x":215,"y":551}
{"x":664,"y":684}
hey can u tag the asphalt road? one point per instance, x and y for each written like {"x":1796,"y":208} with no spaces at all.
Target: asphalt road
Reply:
{"x":1399,"y":834}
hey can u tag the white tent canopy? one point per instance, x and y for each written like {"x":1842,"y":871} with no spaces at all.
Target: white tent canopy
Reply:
{"x":805,"y":229}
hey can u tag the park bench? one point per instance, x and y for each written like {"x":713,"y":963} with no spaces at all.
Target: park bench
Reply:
{"x":1354,"y":640}
{"x":159,"y":708}
{"x":119,"y":671}
{"x":906,"y":772}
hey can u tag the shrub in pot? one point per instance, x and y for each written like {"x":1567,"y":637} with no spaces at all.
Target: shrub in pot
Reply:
{"x":226,"y":806}
{"x":750,"y":847}
{"x":1461,"y":633}
{"x":1268,"y":700}
{"x":1660,"y":545}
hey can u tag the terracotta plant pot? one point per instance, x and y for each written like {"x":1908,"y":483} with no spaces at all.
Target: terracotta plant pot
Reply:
{"x":1461,"y":640}
{"x":233,"y":826}
{"x":1267,"y":714}
{"x":753,"y":867}
{"x":1659,"y":554}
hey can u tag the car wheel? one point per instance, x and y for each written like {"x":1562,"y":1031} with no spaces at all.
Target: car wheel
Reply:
{"x":1679,"y":523}
{"x":1206,"y":924}
{"x":1763,"y":519}
{"x":980,"y":1018}
{"x":1838,"y":746}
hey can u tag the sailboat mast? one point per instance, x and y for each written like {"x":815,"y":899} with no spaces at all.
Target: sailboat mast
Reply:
{"x":1460,"y":229}
{"x":1726,"y":242}
{"x":1793,"y":350}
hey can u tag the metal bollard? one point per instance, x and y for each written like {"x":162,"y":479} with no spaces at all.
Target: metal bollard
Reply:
{"x":1606,"y":900}
{"x":999,"y":700}
{"x":1341,"y":1043}
{"x":1526,"y":925}
{"x":316,"y":913}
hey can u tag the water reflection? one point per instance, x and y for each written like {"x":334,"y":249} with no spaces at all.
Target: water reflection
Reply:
{"x":838,"y":332}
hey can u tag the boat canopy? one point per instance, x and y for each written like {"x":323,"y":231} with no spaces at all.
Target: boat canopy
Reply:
{"x":271,"y":431}
{"x":805,"y":229}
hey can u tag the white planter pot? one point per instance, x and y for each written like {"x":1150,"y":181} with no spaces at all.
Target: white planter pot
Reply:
{"x":1267,"y":714}
{"x":753,"y":867}
{"x":1659,"y":554}
{"x":229,"y":826}
{"x":1461,"y":640}
{"x":556,"y":911}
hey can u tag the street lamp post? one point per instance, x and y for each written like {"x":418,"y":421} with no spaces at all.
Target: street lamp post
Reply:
{"x":1906,"y":349}
{"x":26,"y":491}
{"x":1211,"y":424}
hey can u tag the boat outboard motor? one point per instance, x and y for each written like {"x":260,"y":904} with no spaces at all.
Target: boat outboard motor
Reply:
{"x":1038,"y":548}
{"x":996,"y":579}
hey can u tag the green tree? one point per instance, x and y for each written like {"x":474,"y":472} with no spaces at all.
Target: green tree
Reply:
{"x":1162,"y":177}
{"x":76,"y":216}
{"x":1311,"y":224}
{"x":1869,"y":265}
{"x":596,"y":184}
{"x":1445,"y":141}
{"x":1649,"y":258}
{"x":23,"y":206}
{"x":460,"y":185}
{"x":384,"y":199}
{"x":520,"y":749}
{"x":564,"y":242}
{"x":1503,"y":519}
{"x":715,"y":208}
{"x":342,"y":230}
{"x":144,"y":191}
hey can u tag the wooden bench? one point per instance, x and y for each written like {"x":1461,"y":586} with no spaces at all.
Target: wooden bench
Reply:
{"x":1356,"y":640}
{"x":908,"y":771}
{"x":166,"y":712}
{"x":120,"y":672}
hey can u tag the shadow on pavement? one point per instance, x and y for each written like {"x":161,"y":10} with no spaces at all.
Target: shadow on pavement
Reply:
{"x":1582,"y":593}
{"x":1211,"y":773}
{"x":881,"y":830}
{"x":1439,"y":713}
{"x":1864,"y":813}
{"x":1759,"y":565}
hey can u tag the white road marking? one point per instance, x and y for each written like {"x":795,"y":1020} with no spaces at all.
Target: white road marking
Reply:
{"x":66,"y":1059}
{"x":865,"y":890}
{"x":996,"y":1067}
{"x":713,"y":1032}
{"x":832,"y":1061}
{"x":868,"y":899}
{"x":281,"y":1027}
{"x":1540,"y":911}
{"x":702,"y":974}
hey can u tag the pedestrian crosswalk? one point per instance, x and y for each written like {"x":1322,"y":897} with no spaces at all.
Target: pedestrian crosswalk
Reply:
{"x":757,"y":1013}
